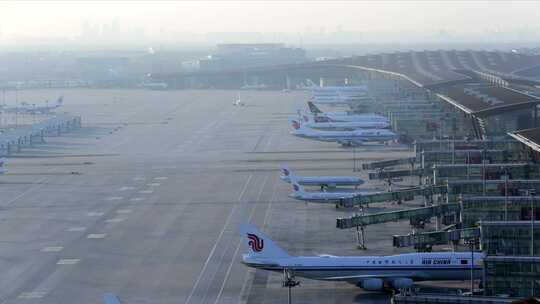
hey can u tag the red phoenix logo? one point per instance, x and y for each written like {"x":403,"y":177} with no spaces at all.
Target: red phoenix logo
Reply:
{"x":256,"y":243}
{"x":295,"y":124}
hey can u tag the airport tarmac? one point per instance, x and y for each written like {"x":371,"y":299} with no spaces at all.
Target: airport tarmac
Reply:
{"x":146,"y":199}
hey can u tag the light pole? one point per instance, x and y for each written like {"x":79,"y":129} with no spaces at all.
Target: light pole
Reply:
{"x":289,"y":282}
{"x":472,"y":243}
{"x":531,"y":193}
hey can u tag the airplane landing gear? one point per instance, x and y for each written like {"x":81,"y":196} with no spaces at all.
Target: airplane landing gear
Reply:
{"x":289,"y":282}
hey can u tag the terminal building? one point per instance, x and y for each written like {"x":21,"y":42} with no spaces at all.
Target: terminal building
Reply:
{"x":479,"y":176}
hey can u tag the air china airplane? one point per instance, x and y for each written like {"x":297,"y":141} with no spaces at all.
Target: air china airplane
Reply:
{"x":323,"y":181}
{"x":343,"y":116}
{"x":374,"y":273}
{"x":316,"y":122}
{"x":337,"y":99}
{"x":32,"y":108}
{"x":345,"y":138}
{"x":340,"y":199}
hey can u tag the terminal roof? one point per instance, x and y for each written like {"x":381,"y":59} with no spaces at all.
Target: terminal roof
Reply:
{"x":529,"y":137}
{"x":435,"y":68}
{"x":484,"y":100}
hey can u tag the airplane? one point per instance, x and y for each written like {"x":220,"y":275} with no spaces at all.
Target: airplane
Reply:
{"x":254,"y":87}
{"x":154,"y":85}
{"x":348,"y":89}
{"x":239,"y":102}
{"x":317,"y":122}
{"x":338,"y":198}
{"x":345,"y":138}
{"x":2,"y":163}
{"x":32,"y":108}
{"x":315,"y":110}
{"x":322,"y":181}
{"x":336,"y":97}
{"x":343,"y":116}
{"x":372,"y":273}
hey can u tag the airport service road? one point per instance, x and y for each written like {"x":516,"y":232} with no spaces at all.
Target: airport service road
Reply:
{"x":146,"y":200}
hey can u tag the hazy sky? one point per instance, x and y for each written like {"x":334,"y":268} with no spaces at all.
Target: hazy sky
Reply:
{"x":64,"y":18}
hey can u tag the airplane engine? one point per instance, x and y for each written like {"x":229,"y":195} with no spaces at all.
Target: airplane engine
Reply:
{"x":345,"y":143}
{"x":346,"y":203}
{"x":372,"y":284}
{"x":402,"y":283}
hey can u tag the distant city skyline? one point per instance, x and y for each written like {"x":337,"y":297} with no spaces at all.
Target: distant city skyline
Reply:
{"x":292,"y":22}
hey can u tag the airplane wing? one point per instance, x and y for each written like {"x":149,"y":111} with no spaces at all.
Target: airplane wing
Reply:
{"x":110,"y":298}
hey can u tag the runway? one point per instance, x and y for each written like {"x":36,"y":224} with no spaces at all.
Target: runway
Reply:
{"x":146,"y":199}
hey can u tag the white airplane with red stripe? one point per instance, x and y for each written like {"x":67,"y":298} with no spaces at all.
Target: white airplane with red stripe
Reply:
{"x":324,"y":181}
{"x":324,"y":123}
{"x":374,"y":273}
{"x":345,"y":138}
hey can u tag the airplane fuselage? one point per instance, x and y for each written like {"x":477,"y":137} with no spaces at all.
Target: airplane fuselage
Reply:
{"x":347,"y":125}
{"x":325,"y":180}
{"x":346,"y":136}
{"x":325,"y":197}
{"x":414,"y":266}
{"x":354,"y":117}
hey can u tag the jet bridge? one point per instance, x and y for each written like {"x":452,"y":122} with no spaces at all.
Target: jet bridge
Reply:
{"x":425,"y":239}
{"x":463,"y":144}
{"x":397,"y":173}
{"x":489,"y":187}
{"x":389,"y":163}
{"x":447,"y":156}
{"x":401,"y":195}
{"x":443,"y":172}
{"x":469,"y":156}
{"x":413,"y":214}
{"x":13,"y":140}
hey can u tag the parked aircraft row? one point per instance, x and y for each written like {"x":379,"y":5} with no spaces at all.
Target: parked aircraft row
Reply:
{"x":344,"y":128}
{"x":372,"y":273}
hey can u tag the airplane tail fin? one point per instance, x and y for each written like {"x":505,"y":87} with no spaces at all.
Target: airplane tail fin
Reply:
{"x":259,"y":245}
{"x":310,"y":83}
{"x":285,"y":171}
{"x":296,"y":186}
{"x":313,"y":108}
